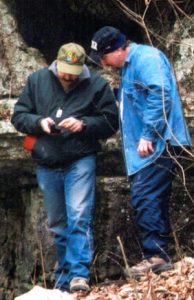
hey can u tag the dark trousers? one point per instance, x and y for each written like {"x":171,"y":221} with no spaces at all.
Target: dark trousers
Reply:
{"x":150,"y":193}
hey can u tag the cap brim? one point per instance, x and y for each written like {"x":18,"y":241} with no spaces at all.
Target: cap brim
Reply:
{"x":95,"y":57}
{"x":69,"y":69}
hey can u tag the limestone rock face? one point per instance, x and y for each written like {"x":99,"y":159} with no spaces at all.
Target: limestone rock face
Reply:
{"x":17,"y":60}
{"x":183,"y":54}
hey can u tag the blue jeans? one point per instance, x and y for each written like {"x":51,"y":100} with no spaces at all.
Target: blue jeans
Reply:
{"x":69,"y":195}
{"x":150,"y":193}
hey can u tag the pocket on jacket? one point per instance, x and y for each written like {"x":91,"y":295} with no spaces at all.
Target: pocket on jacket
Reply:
{"x":56,"y":150}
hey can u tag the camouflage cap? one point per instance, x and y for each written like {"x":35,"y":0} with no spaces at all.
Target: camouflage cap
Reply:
{"x":71,"y":58}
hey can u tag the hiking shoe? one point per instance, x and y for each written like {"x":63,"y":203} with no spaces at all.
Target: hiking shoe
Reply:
{"x":155,"y":264}
{"x":79,"y":284}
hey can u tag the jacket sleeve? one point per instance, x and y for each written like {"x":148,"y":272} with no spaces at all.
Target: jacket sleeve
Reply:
{"x":25,"y":118}
{"x":155,"y":76}
{"x":104,"y":121}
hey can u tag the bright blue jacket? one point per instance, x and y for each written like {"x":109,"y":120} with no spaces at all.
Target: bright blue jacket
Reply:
{"x":150,"y":106}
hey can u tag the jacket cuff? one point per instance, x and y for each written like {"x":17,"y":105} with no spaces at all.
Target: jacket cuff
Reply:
{"x":149,"y":135}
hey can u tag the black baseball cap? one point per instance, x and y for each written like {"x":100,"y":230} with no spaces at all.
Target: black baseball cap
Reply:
{"x":105,"y":40}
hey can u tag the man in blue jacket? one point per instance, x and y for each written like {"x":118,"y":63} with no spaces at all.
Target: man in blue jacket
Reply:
{"x":153,"y":131}
{"x":68,"y":108}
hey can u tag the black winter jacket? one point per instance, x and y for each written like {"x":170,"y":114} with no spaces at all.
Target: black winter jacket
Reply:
{"x":91,"y":100}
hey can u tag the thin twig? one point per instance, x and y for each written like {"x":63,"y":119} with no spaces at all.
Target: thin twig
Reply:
{"x":42,"y":262}
{"x":173,"y":4}
{"x":134,"y":17}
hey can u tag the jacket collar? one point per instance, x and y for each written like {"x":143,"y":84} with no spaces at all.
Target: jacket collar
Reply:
{"x":132,"y":48}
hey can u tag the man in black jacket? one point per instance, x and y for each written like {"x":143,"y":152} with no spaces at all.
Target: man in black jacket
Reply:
{"x":68,"y":108}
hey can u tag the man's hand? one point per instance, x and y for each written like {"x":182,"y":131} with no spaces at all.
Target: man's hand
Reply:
{"x":72,"y":124}
{"x":145,"y":147}
{"x":46,"y":124}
